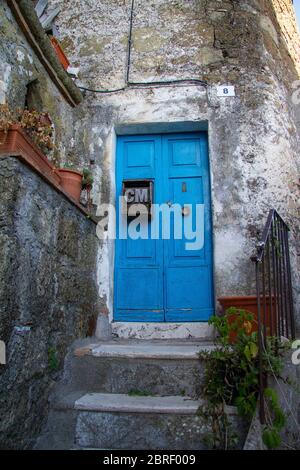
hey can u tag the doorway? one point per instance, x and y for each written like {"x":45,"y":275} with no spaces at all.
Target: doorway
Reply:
{"x":165,"y":277}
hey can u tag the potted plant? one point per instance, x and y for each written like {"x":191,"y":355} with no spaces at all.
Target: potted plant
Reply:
{"x":71,"y":181}
{"x":87,"y":179}
{"x":248,"y":303}
{"x":29,"y":134}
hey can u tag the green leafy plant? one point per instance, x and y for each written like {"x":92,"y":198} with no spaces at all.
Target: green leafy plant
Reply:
{"x":69,"y":166}
{"x":232,"y":369}
{"x":222,"y":435}
{"x":87,"y":179}
{"x":37,"y":125}
{"x":271,"y":432}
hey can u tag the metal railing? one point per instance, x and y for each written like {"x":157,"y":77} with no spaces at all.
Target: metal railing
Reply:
{"x":275,"y":312}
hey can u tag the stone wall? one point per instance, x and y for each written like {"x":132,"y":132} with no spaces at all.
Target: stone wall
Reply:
{"x":253,"y":137}
{"x":287,"y":391}
{"x":48,"y":247}
{"x":289,"y":399}
{"x":48,"y":294}
{"x":287,"y":19}
{"x":24,"y":81}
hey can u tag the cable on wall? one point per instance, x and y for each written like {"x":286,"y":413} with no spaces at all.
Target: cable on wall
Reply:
{"x":132,"y":85}
{"x":129,"y":42}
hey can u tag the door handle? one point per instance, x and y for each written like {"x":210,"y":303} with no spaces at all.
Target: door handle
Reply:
{"x":185,"y":211}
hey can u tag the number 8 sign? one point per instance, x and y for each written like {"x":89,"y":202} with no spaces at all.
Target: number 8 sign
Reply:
{"x":225,"y":90}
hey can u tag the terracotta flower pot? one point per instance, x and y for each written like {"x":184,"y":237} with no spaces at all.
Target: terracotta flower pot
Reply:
{"x":17,"y":143}
{"x":71,"y":182}
{"x":249,"y":303}
{"x":60,"y":53}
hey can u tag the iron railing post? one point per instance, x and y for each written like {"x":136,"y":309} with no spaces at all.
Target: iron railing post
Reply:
{"x":273,"y":292}
{"x":260,"y":347}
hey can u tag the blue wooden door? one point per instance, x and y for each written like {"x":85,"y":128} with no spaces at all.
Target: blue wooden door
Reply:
{"x":166,"y":276}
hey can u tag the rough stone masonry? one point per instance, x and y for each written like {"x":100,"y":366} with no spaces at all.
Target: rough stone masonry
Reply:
{"x":48,"y":288}
{"x":253,"y":137}
{"x":48,"y":294}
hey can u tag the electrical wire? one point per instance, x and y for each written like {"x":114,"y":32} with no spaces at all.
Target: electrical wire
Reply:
{"x":194,"y":81}
{"x":132,"y":85}
{"x":102,"y":91}
{"x":129,"y":42}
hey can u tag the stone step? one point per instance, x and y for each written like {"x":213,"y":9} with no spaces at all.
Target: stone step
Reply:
{"x":121,"y":403}
{"x":145,"y":349}
{"x":118,"y":421}
{"x":158,"y":368}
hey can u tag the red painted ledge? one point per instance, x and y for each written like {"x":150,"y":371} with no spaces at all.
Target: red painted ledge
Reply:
{"x":17,"y":144}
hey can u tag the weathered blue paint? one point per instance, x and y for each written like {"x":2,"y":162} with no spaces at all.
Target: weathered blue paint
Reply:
{"x":159,"y":279}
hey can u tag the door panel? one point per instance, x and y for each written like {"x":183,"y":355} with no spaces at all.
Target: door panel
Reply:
{"x":139,"y":263}
{"x":160,"y":279}
{"x":139,"y":156}
{"x":188,"y":272}
{"x":187,"y":287}
{"x":192,"y":194}
{"x":140,"y":289}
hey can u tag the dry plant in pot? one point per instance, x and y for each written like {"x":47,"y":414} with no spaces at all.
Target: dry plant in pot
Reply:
{"x":28,"y":133}
{"x":36,"y":125}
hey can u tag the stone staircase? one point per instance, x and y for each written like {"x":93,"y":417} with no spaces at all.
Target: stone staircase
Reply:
{"x":129,"y":395}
